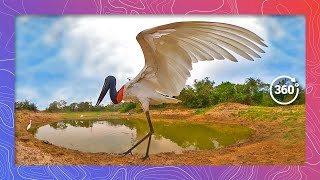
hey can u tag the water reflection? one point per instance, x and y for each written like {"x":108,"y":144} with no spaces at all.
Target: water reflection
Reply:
{"x":118,"y":135}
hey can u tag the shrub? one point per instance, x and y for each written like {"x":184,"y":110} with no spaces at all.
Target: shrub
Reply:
{"x":26,"y":105}
{"x":127,"y":106}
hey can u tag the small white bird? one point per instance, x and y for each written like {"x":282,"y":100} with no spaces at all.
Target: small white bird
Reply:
{"x":81,"y":115}
{"x":29,"y":125}
{"x":169,"y":51}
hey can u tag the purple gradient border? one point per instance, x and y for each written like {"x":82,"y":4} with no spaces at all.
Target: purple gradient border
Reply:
{"x":11,"y":8}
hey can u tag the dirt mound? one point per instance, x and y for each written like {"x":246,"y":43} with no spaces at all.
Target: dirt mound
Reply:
{"x":230,"y":106}
{"x":225,"y":110}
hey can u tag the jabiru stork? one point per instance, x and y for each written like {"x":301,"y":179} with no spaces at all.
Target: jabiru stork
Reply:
{"x":169,"y":51}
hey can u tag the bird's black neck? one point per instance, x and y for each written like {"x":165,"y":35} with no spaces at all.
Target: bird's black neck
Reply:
{"x":113,"y":90}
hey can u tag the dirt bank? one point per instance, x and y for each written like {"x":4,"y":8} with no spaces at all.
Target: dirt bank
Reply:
{"x":279,"y":139}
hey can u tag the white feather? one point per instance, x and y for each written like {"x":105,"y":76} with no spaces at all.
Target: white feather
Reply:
{"x":170,"y":50}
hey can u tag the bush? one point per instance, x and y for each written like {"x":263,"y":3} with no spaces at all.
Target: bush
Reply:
{"x":301,"y":97}
{"x":200,"y":96}
{"x":127,"y":106}
{"x":26,"y":105}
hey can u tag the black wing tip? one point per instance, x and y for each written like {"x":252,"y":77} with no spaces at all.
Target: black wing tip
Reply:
{"x":250,"y":59}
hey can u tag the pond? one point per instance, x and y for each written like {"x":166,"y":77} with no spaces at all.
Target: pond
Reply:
{"x":118,"y":135}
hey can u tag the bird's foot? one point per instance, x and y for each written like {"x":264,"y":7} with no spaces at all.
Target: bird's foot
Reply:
{"x":145,"y":157}
{"x":126,"y":153}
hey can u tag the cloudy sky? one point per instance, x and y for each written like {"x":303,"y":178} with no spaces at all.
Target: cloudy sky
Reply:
{"x":68,"y":57}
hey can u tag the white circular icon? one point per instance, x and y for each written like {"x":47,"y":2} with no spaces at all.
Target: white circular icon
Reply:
{"x":284,"y":89}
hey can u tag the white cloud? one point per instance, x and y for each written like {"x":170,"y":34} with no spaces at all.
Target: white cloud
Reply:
{"x":27,"y":93}
{"x":109,"y":43}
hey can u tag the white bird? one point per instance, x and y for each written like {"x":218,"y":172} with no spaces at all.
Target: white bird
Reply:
{"x":169,"y":51}
{"x":29,"y":125}
{"x":81,"y":115}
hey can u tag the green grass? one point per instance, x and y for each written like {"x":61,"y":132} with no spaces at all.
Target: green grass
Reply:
{"x":258,"y":113}
{"x":200,"y":111}
{"x":76,"y":115}
{"x":291,"y":119}
{"x":203,"y":110}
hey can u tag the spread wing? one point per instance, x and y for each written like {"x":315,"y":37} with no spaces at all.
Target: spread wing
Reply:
{"x":169,"y":51}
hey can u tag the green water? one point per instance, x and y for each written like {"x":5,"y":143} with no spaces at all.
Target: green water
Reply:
{"x":118,"y":135}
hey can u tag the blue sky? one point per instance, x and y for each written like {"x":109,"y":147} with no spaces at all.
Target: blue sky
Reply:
{"x":68,"y":57}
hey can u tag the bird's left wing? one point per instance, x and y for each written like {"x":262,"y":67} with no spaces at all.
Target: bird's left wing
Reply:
{"x":170,"y":50}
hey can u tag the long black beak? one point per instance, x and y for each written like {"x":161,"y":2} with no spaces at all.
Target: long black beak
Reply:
{"x":109,"y":83}
{"x":105,"y":89}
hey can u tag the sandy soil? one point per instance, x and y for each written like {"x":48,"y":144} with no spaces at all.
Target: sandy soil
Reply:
{"x":275,"y":142}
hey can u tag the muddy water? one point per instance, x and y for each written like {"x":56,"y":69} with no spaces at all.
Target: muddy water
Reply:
{"x":118,"y":135}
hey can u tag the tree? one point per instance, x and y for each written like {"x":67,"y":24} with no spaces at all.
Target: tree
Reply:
{"x":84,"y":106}
{"x":200,"y":95}
{"x":225,"y":92}
{"x":187,"y":96}
{"x":26,"y":105}
{"x":240,"y":95}
{"x":255,"y":90}
{"x":53,"y":107}
{"x":73,"y":106}
{"x":62,"y":104}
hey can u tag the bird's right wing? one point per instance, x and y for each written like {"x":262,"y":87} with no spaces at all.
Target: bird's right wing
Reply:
{"x":170,"y":50}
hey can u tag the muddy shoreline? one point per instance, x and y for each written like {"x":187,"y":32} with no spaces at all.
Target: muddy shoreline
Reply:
{"x":276,"y":141}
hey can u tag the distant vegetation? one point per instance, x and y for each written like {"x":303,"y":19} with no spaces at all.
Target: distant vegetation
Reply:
{"x":27,"y":105}
{"x":201,"y":94}
{"x":62,"y":106}
{"x":253,"y":92}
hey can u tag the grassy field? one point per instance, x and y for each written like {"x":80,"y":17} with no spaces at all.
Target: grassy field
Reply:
{"x":292,"y":119}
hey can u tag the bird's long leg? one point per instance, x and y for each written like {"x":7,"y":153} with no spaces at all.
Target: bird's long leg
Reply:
{"x":147,"y":152}
{"x":134,"y":146}
{"x":145,"y":137}
{"x":151,"y":131}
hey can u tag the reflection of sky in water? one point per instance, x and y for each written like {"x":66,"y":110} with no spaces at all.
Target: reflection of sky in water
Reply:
{"x":105,"y":136}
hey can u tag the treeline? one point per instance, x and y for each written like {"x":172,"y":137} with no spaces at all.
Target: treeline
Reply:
{"x":201,"y":94}
{"x":27,"y":105}
{"x":253,"y":92}
{"x":62,"y":106}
